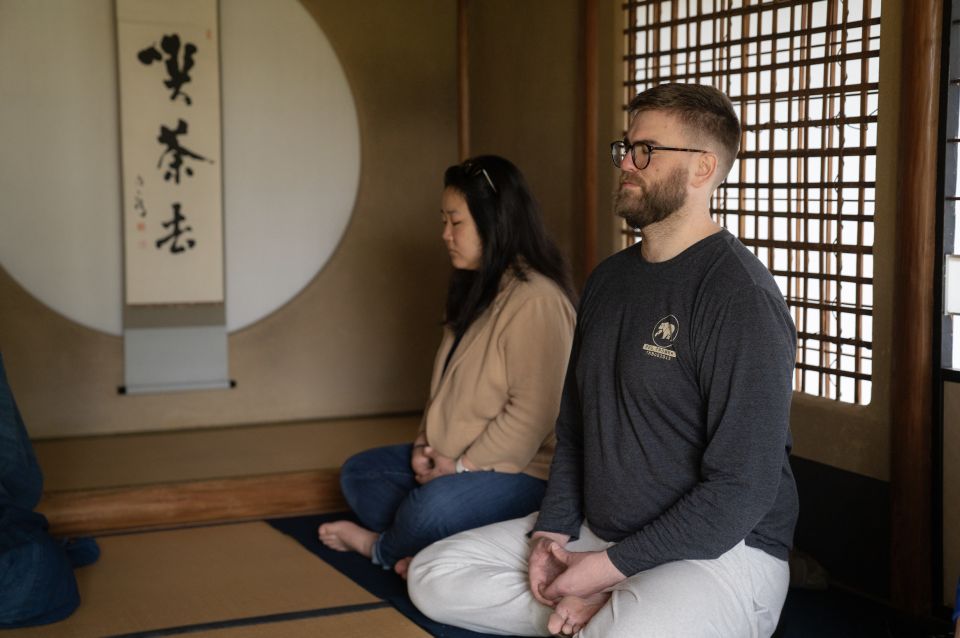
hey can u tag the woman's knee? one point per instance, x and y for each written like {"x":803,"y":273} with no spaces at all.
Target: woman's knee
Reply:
{"x":453,"y":504}
{"x":372,"y":465}
{"x":439,"y":494}
{"x":353,"y":472}
{"x":434,"y":508}
{"x":360,"y":464}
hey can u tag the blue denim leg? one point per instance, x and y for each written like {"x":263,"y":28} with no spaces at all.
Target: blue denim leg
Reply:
{"x":375,"y":482}
{"x":37,"y":585}
{"x":454,"y":503}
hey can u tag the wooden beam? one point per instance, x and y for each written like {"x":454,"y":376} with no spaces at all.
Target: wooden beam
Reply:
{"x":174,"y":504}
{"x":913,"y":309}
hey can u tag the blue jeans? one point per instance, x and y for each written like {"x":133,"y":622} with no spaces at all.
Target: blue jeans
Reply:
{"x":380,"y":488}
{"x":37,"y":586}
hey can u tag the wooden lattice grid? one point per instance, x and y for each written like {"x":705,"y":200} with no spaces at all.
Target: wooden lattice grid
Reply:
{"x":804,"y":78}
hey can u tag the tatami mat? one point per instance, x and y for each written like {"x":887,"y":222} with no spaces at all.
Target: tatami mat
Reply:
{"x":169,"y":457}
{"x":178,"y":578}
{"x":364,"y":624}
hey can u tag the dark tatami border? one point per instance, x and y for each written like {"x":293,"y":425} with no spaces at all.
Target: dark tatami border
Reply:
{"x":254,"y":620}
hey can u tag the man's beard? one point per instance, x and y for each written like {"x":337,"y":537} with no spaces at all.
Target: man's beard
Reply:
{"x":654,"y":202}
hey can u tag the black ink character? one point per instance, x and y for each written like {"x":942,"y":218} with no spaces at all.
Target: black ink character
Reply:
{"x":169,"y":138}
{"x":138,"y":204}
{"x":170,"y":44}
{"x":175,"y":232}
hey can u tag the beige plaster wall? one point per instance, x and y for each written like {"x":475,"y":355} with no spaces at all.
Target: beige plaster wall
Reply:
{"x":360,"y":338}
{"x":525,"y":102}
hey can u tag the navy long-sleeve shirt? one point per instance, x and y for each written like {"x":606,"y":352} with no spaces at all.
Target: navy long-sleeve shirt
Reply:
{"x":673,"y":434}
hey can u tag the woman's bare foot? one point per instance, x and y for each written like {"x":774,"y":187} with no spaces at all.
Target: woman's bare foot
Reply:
{"x":345,"y":536}
{"x":402,"y":566}
{"x":572,"y":613}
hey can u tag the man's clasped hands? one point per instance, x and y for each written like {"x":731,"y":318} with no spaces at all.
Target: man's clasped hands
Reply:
{"x":576,"y":584}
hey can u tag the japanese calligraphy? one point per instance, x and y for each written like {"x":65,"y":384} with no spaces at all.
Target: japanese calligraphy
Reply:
{"x":178,"y":74}
{"x":175,"y":152}
{"x":175,"y":232}
{"x":138,"y":203}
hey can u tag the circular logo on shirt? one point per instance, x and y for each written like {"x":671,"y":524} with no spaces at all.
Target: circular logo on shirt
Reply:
{"x":665,"y":331}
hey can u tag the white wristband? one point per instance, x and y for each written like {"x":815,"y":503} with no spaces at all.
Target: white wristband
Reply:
{"x":460,"y":467}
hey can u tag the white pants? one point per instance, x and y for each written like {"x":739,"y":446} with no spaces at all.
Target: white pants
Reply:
{"x":478,"y":580}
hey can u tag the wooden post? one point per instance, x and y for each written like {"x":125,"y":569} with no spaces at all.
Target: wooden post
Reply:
{"x":913,"y":308}
{"x":463,"y":80}
{"x":590,"y":112}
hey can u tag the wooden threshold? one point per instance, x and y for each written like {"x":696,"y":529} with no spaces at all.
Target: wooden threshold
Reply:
{"x":100,"y":511}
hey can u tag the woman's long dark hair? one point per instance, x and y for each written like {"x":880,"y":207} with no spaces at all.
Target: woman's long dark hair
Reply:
{"x":511,"y":231}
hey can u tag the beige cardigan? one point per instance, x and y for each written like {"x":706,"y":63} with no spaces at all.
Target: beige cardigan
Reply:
{"x":498,"y":401}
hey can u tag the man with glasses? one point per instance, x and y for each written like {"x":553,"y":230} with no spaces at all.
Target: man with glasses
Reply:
{"x":671,"y":505}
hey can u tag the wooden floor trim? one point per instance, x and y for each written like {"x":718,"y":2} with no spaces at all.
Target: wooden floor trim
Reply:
{"x":172,"y":504}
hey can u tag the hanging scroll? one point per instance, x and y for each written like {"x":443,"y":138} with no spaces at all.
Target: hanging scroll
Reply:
{"x":169,"y":69}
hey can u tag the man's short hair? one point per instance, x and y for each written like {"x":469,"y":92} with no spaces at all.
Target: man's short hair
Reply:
{"x":705,"y":112}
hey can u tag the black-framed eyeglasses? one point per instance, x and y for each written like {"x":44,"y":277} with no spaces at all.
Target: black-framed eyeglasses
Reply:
{"x":618,"y":150}
{"x":473,"y":170}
